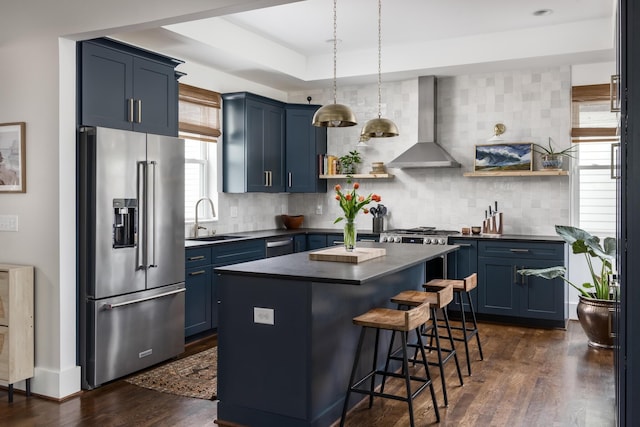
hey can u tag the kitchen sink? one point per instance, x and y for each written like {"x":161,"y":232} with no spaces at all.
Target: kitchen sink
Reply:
{"x":215,"y":238}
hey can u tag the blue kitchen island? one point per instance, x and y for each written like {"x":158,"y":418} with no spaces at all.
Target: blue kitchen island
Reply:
{"x":286,"y":340}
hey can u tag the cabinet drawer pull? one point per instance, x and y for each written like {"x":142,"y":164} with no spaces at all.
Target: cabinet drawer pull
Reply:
{"x":197,"y":273}
{"x":290,"y":180}
{"x":520,"y":251}
{"x":195,"y":258}
{"x":462,"y":245}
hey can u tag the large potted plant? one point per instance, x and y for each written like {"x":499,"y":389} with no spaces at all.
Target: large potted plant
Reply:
{"x":597,"y":298}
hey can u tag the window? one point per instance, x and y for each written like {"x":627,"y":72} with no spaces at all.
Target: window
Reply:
{"x":199,"y":124}
{"x":594,"y":129}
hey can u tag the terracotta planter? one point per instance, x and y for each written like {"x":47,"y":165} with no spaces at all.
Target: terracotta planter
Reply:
{"x":595,"y":316}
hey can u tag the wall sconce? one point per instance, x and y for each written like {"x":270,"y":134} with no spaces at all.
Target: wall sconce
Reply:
{"x":498,"y":130}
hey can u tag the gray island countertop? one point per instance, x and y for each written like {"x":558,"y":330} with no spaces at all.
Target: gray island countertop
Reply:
{"x":298,"y":266}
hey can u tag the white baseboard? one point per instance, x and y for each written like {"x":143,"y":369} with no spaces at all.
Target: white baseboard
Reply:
{"x":573,"y":313}
{"x":54,"y":384}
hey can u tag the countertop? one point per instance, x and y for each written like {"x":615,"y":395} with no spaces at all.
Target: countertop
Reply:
{"x":263,"y":234}
{"x":298,"y":266}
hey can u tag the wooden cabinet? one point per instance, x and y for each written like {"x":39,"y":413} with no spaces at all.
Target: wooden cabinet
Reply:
{"x":16,"y":325}
{"x":253,"y":131}
{"x":304,"y":145}
{"x":201,"y":296}
{"x":461,"y":264}
{"x":502,"y":291}
{"x":123,"y":87}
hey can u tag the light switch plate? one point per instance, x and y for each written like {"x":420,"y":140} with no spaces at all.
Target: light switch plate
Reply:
{"x":8,"y":222}
{"x":264,"y":316}
{"x":319,"y":210}
{"x":234,"y":212}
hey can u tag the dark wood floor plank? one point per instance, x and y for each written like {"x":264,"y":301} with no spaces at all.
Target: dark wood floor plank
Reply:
{"x":530,"y":377}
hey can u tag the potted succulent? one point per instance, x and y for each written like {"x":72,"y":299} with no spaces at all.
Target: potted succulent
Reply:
{"x":349,"y":162}
{"x":597,"y":297}
{"x":552,"y":159}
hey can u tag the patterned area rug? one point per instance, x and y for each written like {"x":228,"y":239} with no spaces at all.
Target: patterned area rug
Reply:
{"x":192,"y":376}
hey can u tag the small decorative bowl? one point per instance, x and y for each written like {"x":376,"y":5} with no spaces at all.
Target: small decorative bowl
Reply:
{"x":476,"y":230}
{"x":292,"y":222}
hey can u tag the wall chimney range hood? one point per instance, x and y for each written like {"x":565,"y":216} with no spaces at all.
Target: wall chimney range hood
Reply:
{"x":427,"y":153}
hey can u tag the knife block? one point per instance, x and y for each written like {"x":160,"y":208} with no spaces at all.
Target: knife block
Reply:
{"x":493,"y":225}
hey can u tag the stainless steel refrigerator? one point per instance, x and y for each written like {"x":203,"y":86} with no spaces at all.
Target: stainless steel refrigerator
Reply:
{"x":131,"y":252}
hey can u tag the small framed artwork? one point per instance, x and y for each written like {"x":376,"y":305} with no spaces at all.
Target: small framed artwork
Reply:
{"x":504,"y":157}
{"x":12,"y":158}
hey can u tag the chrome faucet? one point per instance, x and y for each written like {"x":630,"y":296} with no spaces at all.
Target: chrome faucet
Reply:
{"x":197,"y":226}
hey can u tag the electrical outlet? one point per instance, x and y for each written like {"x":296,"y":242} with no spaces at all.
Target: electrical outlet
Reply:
{"x":234,"y":212}
{"x":319,"y":210}
{"x":8,"y":222}
{"x":263,"y":315}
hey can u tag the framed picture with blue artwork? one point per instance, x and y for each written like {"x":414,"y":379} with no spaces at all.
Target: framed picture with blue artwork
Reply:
{"x":510,"y":157}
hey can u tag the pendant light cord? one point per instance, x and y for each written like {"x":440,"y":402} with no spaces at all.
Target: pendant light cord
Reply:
{"x":335,"y":50}
{"x":379,"y":56}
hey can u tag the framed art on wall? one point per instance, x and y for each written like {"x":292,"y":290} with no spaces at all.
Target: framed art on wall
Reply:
{"x":12,"y":158}
{"x":504,"y":157}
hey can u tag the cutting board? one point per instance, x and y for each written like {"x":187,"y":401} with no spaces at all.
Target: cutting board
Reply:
{"x":339,"y":254}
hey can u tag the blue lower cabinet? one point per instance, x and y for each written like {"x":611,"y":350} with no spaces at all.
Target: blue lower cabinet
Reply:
{"x":201,"y":296}
{"x":300,"y":243}
{"x":197,"y":316}
{"x":316,"y":241}
{"x":198,"y":274}
{"x":461,"y":264}
{"x":504,"y":292}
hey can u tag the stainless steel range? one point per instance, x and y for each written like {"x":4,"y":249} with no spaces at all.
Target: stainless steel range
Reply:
{"x":418,"y":235}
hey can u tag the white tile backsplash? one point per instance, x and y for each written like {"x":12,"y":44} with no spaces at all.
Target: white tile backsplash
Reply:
{"x":533,"y":104}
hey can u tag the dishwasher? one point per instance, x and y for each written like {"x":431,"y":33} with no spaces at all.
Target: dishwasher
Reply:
{"x":276,"y":246}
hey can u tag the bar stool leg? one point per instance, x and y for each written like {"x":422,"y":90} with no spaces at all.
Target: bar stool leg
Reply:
{"x":451,"y":342}
{"x":10,"y":393}
{"x":386,"y":365}
{"x":28,"y":387}
{"x":352,"y":378}
{"x":436,"y":333}
{"x":464,"y":335}
{"x":475,"y":325}
{"x":426,"y":368}
{"x":375,"y":366}
{"x":407,"y":379}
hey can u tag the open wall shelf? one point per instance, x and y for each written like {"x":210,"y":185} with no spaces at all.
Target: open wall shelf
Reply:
{"x":519,"y":173}
{"x":359,"y":176}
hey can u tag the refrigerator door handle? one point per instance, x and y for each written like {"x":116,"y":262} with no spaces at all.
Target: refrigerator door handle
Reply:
{"x":135,"y":301}
{"x":142,"y":217}
{"x":151,"y":212}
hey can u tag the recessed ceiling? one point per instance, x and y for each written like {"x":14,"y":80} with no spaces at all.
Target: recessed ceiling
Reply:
{"x":286,"y":46}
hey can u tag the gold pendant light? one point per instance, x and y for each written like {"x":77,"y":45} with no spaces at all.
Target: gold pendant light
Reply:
{"x":334,"y":115}
{"x":379,"y":127}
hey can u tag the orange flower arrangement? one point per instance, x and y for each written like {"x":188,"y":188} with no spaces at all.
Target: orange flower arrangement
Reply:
{"x":351,"y":203}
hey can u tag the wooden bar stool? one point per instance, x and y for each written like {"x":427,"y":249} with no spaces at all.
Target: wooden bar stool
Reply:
{"x":438,"y":298}
{"x":393,"y":320}
{"x":469,"y":330}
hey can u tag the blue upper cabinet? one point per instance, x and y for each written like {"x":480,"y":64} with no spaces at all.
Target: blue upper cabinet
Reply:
{"x":123,"y":87}
{"x":304,"y":144}
{"x":253,"y":131}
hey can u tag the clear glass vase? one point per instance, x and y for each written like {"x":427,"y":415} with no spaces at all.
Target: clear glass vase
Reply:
{"x":350,"y":235}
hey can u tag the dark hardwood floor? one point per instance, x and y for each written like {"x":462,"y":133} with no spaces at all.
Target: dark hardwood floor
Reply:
{"x":530,"y":377}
